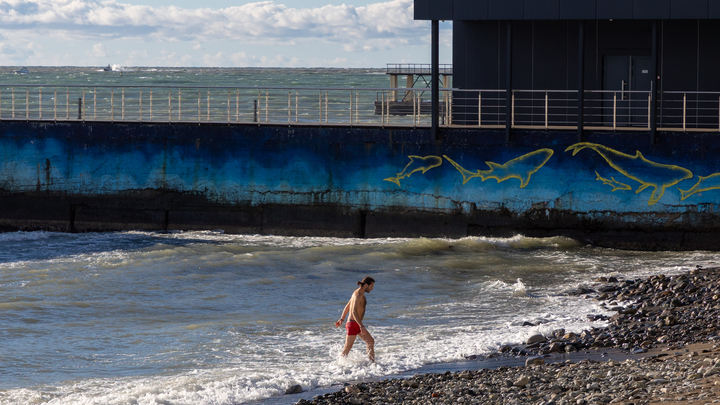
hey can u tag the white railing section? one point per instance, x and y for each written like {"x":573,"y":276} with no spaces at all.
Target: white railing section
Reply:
{"x":532,"y":109}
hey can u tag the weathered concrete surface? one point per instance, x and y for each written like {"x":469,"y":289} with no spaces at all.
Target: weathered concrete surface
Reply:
{"x":361,"y":182}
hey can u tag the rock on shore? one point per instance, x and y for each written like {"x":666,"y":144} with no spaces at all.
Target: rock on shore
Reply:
{"x":674,"y":319}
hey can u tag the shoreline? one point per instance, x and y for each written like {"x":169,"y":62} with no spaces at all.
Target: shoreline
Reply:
{"x":659,"y":347}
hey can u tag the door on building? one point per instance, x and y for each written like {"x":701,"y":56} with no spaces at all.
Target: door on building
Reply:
{"x":628,"y":80}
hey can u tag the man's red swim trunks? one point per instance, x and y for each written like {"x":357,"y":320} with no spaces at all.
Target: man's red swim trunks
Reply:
{"x":353,"y":328}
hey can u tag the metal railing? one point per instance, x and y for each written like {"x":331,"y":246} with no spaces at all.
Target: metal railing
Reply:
{"x":532,"y":109}
{"x":417,"y":69}
{"x":162,"y":104}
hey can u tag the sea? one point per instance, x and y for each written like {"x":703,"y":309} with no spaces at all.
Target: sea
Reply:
{"x":203,"y":318}
{"x":197,"y":77}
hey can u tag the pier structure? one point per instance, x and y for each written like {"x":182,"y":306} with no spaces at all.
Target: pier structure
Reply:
{"x":415,"y":73}
{"x":417,"y":98}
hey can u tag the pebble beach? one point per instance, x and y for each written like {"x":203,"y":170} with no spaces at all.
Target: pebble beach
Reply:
{"x":664,"y":326}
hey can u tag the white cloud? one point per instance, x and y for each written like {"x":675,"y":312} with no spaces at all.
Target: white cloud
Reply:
{"x":265,"y":33}
{"x":262,"y":22}
{"x":98,"y":51}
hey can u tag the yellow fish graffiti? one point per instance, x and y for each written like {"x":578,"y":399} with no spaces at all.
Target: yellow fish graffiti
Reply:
{"x":646,"y":172}
{"x":636,"y":167}
{"x":616,"y":185}
{"x":711,"y":182}
{"x":417,"y":163}
{"x":521,"y":168}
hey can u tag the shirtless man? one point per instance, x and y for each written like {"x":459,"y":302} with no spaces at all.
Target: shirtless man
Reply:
{"x":354,"y":325}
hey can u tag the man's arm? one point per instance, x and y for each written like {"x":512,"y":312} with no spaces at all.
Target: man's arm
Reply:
{"x":344,"y":314}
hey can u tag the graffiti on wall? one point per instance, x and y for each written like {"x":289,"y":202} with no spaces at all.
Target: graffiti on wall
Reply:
{"x":417,"y":163}
{"x":646,"y":172}
{"x":650,"y":174}
{"x":711,"y":182}
{"x":521,"y":168}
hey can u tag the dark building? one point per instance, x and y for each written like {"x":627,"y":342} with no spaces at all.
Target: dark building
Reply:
{"x":639,"y":64}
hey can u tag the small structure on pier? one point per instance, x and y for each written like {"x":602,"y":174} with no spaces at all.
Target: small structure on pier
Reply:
{"x":417,"y":81}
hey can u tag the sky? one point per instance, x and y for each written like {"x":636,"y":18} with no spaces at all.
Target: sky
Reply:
{"x":215,"y":33}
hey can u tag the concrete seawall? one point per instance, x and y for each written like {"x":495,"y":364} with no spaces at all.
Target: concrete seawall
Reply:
{"x":614,"y":189}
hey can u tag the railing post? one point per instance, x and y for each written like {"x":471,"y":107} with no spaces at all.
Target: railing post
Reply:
{"x":326,"y":107}
{"x":207,"y":118}
{"x":614,"y":110}
{"x":382,"y":108}
{"x":122,"y":105}
{"x":95,"y":103}
{"x":289,"y":106}
{"x":151,"y":111}
{"x":357,"y":107}
{"x":351,"y":107}
{"x":140,"y":106}
{"x":112,"y":104}
{"x":27,"y":103}
{"x":40,"y":103}
{"x":297,"y":113}
{"x":546,"y":110}
{"x":512,"y":110}
{"x":228,"y":111}
{"x":55,"y":105}
{"x":67,"y":103}
{"x":320,"y":107}
{"x":267,"y":105}
{"x":179,"y":104}
{"x":13,"y":102}
{"x":237,"y":105}
{"x":199,"y":106}
{"x":415,"y":109}
{"x":684,"y":110}
{"x":649,"y":110}
{"x":480,"y":109}
{"x":170,"y":105}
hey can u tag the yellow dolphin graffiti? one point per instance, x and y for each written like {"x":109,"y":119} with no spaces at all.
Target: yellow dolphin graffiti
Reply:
{"x":711,"y":182}
{"x":417,"y":163}
{"x":638,"y":168}
{"x":521,"y":168}
{"x":616,"y":185}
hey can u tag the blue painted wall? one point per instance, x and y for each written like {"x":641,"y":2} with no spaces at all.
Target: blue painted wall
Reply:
{"x":471,"y":182}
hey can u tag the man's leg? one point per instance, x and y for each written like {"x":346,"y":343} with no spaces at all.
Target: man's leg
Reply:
{"x":349,"y":341}
{"x":370,"y":345}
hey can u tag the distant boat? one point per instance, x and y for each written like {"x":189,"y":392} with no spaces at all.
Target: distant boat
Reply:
{"x":22,"y":71}
{"x":108,"y":68}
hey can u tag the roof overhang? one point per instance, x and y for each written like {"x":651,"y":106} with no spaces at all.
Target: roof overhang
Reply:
{"x":471,"y":10}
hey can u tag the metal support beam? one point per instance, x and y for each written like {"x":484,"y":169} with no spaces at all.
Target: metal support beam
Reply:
{"x":581,"y":83}
{"x":435,"y":71}
{"x":508,"y":84}
{"x":654,"y":84}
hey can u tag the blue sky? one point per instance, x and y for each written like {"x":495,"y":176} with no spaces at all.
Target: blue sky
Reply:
{"x":227,"y":33}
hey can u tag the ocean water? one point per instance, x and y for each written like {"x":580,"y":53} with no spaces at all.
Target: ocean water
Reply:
{"x":192,"y":77}
{"x":210,"y":318}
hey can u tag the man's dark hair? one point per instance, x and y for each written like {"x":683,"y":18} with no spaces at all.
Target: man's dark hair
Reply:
{"x":367,"y":280}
